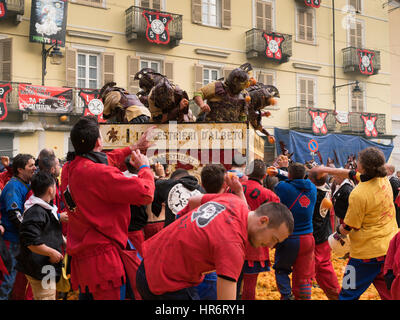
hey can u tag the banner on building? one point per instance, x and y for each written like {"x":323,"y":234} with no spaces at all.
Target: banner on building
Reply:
{"x":319,"y":121}
{"x":93,"y":106}
{"x":44,"y":99}
{"x":48,"y":21}
{"x":3,"y":9}
{"x":274,"y":45}
{"x":157,"y":26}
{"x":366,"y":65}
{"x":4,"y":90}
{"x":313,"y":3}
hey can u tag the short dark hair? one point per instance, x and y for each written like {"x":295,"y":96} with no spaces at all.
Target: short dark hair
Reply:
{"x":297,"y":170}
{"x":47,"y":162}
{"x":84,"y":134}
{"x":212,"y":177}
{"x":313,"y":176}
{"x":41,"y":181}
{"x":130,"y":167}
{"x":179,"y":173}
{"x":20,"y":161}
{"x":256,"y":169}
{"x":277,"y":213}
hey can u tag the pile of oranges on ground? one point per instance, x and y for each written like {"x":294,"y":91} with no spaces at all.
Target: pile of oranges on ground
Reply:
{"x":267,"y":289}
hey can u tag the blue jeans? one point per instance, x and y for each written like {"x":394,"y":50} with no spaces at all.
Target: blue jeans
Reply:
{"x":7,"y":285}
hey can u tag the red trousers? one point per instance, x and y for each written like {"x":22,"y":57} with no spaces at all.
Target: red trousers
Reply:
{"x":152,"y":228}
{"x":395,"y":291}
{"x":324,"y":272}
{"x":137,"y":239}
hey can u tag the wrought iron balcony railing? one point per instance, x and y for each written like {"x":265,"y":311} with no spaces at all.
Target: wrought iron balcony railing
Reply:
{"x":272,"y":45}
{"x":361,"y":61}
{"x":138,"y":27}
{"x":357,"y":124}
{"x":301,"y":119}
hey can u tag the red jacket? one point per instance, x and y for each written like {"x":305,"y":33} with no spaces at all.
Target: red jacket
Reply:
{"x":5,"y":176}
{"x":392,"y":261}
{"x":103,"y":196}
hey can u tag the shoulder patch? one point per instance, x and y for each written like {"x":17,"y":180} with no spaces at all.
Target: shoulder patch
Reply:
{"x":206,"y":213}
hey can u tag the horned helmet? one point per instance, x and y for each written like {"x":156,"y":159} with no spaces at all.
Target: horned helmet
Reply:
{"x":239,"y":78}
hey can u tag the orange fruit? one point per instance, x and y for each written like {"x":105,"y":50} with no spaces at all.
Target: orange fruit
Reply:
{"x":247,"y":99}
{"x":63,"y":118}
{"x":326,"y":203}
{"x":253,"y":81}
{"x":271,"y":139}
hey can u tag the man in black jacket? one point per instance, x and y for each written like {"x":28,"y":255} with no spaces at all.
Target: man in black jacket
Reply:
{"x":324,"y":272}
{"x":40,"y":258}
{"x":175,"y":193}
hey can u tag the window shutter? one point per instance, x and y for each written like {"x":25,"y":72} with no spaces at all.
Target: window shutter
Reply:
{"x":311,"y":85}
{"x":70,"y":63}
{"x":196,"y":11}
{"x":156,"y":5}
{"x":309,"y":26}
{"x":108,"y":67}
{"x":198,"y":77}
{"x":259,"y":15}
{"x":226,"y":14}
{"x":169,"y":70}
{"x":353,"y":41}
{"x":268,"y":16}
{"x":264,"y":15}
{"x":133,"y":68}
{"x":269,"y":79}
{"x":145,"y":4}
{"x":5,"y":59}
{"x":301,"y":25}
{"x":303,"y":93}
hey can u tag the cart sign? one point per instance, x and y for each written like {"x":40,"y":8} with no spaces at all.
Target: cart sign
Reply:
{"x":48,"y":21}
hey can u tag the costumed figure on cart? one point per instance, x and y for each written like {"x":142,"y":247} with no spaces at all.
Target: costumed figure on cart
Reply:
{"x":121,"y":106}
{"x":168,"y":102}
{"x":226,"y":99}
{"x":261,"y":96}
{"x":148,"y":79}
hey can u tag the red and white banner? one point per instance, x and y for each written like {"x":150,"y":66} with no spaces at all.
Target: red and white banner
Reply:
{"x":370,"y":125}
{"x":274,"y":45}
{"x":44,"y":99}
{"x":157,"y":26}
{"x":93,"y":106}
{"x":319,"y":125}
{"x":4,"y":90}
{"x":313,"y":3}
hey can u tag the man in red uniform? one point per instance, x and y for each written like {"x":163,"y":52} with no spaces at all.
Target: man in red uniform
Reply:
{"x":257,"y":259}
{"x":99,"y":197}
{"x":211,"y":237}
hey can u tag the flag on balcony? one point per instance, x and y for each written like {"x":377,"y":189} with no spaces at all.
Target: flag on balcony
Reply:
{"x":313,"y":3}
{"x":93,"y":106}
{"x":157,"y":26}
{"x":3,"y":9}
{"x":4,"y":90}
{"x":366,"y":66}
{"x":369,"y":124}
{"x":319,"y":125}
{"x":274,"y":45}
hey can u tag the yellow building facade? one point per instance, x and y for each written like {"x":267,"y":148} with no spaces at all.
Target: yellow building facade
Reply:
{"x":105,"y":40}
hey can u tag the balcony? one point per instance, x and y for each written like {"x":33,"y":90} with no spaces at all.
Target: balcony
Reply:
{"x":256,"y":46}
{"x":136,"y":26}
{"x":356,"y":62}
{"x":300,"y":119}
{"x":15,"y":9}
{"x":356,"y":123}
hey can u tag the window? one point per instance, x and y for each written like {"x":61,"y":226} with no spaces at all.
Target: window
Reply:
{"x":210,"y":75}
{"x":265,"y":77}
{"x":155,"y":65}
{"x":5,"y":59}
{"x":211,"y":12}
{"x":357,"y":103}
{"x":264,"y":15}
{"x":306,"y":92}
{"x":356,"y":38}
{"x":305,"y":25}
{"x":88,"y":70}
{"x":356,"y":4}
{"x":152,"y":4}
